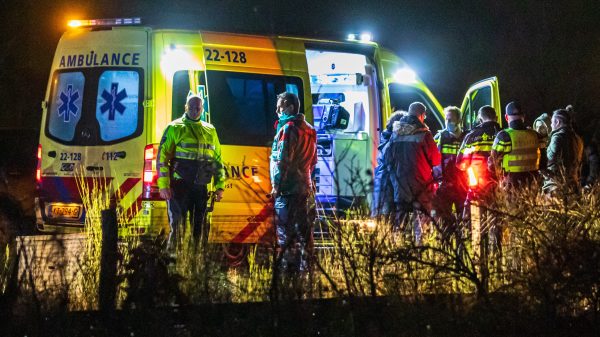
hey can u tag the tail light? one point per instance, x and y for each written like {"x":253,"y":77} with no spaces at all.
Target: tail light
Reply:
{"x":472,"y":177}
{"x":38,"y":170}
{"x":150,"y":172}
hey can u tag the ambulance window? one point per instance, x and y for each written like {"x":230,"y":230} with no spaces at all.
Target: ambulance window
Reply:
{"x":477,"y":99}
{"x":401,"y":96}
{"x":118,"y":104}
{"x":290,"y":87}
{"x":181,"y":88}
{"x":242,"y":106}
{"x":65,"y":106}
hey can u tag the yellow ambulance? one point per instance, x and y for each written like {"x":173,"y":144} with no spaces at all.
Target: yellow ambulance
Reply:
{"x":115,"y":84}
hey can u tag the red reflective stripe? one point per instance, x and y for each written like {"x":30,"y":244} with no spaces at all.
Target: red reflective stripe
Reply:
{"x":67,"y":189}
{"x":133,"y":209}
{"x":263,"y":215}
{"x":127,"y":185}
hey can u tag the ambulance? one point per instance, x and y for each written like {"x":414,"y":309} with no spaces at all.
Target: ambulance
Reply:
{"x":115,"y":84}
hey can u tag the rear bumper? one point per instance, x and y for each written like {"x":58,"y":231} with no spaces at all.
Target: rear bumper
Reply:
{"x":47,"y":225}
{"x":150,"y":220}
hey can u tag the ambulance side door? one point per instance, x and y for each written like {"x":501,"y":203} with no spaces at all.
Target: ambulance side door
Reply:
{"x":484,"y":92}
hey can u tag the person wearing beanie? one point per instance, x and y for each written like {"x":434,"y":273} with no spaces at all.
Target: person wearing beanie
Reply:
{"x":565,"y":151}
{"x":515,"y":153}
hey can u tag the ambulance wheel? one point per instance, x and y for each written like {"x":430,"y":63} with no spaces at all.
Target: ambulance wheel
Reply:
{"x":235,"y":253}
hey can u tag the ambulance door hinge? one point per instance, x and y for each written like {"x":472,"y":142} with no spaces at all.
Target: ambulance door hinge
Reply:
{"x":44,"y":105}
{"x":148,"y":103}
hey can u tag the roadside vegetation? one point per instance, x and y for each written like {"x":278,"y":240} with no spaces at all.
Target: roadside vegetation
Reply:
{"x":370,"y":281}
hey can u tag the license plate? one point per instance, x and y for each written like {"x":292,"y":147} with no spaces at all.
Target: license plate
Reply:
{"x":64,"y":212}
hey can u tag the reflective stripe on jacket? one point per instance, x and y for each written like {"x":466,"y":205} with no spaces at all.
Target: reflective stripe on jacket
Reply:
{"x":191,"y":145}
{"x":476,"y":148}
{"x":449,"y":145}
{"x":522,"y":152}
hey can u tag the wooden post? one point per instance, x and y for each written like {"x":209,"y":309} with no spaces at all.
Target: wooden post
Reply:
{"x":108,"y":262}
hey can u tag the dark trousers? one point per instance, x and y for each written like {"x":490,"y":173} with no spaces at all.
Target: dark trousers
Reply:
{"x":188,"y":199}
{"x":294,"y":217}
{"x":447,"y":197}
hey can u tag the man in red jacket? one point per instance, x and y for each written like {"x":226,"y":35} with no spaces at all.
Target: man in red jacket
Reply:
{"x":293,"y":160}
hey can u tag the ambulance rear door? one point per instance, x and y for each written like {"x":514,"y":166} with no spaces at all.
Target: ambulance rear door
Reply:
{"x":343,"y":77}
{"x":484,"y":92}
{"x":92,"y":134}
{"x":403,"y":87}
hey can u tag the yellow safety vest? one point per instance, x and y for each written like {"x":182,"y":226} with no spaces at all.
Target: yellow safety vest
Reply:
{"x":525,"y":151}
{"x":189,"y":141}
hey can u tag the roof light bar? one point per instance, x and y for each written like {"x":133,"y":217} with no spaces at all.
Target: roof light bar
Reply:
{"x":362,"y":37}
{"x":105,"y":22}
{"x":365,"y":37}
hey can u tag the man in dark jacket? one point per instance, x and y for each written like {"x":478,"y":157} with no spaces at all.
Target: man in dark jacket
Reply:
{"x":293,"y":160}
{"x":565,"y":151}
{"x":453,"y":188}
{"x":383,"y":193}
{"x":410,"y":158}
{"x":477,"y":146}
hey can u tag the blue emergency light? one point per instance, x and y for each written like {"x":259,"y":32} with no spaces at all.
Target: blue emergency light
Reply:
{"x":105,"y":22}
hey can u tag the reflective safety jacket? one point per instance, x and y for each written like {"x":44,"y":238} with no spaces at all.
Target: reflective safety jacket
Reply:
{"x":293,"y":155}
{"x":190,"y":150}
{"x":477,"y":147}
{"x":449,"y":144}
{"x":518,"y":148}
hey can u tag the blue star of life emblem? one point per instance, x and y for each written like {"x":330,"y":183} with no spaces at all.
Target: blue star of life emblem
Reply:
{"x":113,"y":101}
{"x":68,"y":99}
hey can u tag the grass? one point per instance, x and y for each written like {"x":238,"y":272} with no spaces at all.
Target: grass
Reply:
{"x":550,"y":256}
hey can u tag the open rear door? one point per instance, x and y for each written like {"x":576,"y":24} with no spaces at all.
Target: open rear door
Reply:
{"x":484,"y":92}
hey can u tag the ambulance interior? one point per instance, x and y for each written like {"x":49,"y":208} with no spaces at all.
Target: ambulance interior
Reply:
{"x":337,"y":78}
{"x":340,"y":105}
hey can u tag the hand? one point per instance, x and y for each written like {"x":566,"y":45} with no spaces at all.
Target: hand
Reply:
{"x":166,"y":193}
{"x":218,"y":194}
{"x":274,"y":191}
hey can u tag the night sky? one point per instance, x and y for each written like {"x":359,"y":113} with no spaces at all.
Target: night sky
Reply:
{"x":545,"y":54}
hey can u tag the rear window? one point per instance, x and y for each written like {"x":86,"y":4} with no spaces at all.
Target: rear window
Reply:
{"x":95,"y":106}
{"x":65,"y":109}
{"x":242,"y":106}
{"x":117,"y":104}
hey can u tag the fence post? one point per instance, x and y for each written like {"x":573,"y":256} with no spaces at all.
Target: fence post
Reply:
{"x":108,"y":261}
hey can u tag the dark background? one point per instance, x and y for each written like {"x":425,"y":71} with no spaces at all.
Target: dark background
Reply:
{"x":545,"y":53}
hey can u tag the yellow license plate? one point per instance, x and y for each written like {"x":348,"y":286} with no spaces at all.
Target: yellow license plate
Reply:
{"x":65,"y":211}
